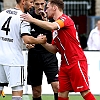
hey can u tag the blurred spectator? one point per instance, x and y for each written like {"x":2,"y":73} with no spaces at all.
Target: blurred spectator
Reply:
{"x":93,"y":42}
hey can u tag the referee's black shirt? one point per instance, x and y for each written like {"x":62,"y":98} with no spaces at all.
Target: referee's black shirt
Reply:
{"x":36,"y":30}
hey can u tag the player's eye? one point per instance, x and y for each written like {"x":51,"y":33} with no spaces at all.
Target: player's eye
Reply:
{"x":37,"y":4}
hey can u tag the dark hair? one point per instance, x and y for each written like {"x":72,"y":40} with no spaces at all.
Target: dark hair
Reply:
{"x":18,"y":1}
{"x":58,"y":3}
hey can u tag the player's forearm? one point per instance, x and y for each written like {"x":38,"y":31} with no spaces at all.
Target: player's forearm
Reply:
{"x":45,"y":24}
{"x":30,"y":40}
{"x":51,"y":48}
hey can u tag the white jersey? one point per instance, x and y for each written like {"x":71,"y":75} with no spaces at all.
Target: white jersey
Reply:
{"x":11,"y":29}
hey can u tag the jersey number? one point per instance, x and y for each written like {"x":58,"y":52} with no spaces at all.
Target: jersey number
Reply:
{"x":5,"y":26}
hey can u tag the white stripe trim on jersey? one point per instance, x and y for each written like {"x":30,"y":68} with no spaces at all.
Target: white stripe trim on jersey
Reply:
{"x":66,"y":58}
{"x":60,"y":43}
{"x":63,"y":49}
{"x":82,"y":73}
{"x":22,"y":75}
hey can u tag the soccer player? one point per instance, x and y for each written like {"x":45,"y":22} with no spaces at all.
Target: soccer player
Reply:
{"x":73,"y":72}
{"x":39,"y":59}
{"x":13,"y":32}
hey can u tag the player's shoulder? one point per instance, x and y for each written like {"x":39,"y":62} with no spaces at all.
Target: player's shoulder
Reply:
{"x":13,"y":11}
{"x":3,"y":11}
{"x":65,"y":18}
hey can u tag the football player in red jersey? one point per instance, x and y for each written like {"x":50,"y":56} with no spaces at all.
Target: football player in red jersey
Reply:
{"x":13,"y":32}
{"x":73,"y":72}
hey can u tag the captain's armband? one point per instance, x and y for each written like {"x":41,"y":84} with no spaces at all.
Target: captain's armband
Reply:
{"x":60,"y":22}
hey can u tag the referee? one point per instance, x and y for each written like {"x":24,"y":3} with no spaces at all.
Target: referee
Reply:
{"x":39,"y":59}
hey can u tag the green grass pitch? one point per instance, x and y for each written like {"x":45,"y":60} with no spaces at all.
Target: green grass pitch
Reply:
{"x":47,"y":97}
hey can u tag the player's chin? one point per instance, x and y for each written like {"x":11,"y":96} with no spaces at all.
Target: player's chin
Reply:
{"x":49,"y":16}
{"x":29,"y":9}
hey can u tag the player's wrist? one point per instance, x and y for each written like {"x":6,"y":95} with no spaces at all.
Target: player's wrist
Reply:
{"x":36,"y":40}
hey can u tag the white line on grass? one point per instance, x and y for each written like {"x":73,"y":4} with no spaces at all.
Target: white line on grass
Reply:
{"x":26,"y":97}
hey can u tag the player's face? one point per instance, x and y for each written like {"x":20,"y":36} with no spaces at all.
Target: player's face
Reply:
{"x":28,"y":5}
{"x":50,"y":10}
{"x":39,"y":5}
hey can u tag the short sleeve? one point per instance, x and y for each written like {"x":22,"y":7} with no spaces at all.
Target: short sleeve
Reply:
{"x":25,"y":27}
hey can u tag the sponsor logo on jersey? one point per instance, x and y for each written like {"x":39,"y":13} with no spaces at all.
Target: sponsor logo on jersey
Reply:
{"x":79,"y":87}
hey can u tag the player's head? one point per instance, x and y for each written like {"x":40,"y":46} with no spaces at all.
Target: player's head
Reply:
{"x":28,"y":5}
{"x":39,"y":5}
{"x":53,"y":6}
{"x":25,"y":4}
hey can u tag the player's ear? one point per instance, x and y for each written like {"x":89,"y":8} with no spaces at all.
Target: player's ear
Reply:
{"x":54,"y":7}
{"x":23,"y":2}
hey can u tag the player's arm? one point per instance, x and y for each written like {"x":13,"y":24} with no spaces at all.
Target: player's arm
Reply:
{"x":26,"y":35}
{"x":51,"y":48}
{"x":43,"y":24}
{"x":31,"y":40}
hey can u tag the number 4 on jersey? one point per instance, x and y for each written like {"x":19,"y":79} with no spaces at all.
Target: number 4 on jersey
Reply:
{"x":5,"y":26}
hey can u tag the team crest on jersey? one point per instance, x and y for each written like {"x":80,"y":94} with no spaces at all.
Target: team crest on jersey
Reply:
{"x":55,"y":33}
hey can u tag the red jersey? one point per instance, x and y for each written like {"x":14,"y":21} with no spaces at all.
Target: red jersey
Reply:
{"x":67,"y":41}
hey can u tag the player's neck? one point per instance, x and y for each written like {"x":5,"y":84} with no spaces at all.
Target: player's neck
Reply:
{"x":57,"y":15}
{"x":19,"y":7}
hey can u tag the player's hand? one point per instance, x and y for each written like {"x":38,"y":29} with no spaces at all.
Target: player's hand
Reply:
{"x":43,"y":14}
{"x":26,"y":17}
{"x":29,"y":46}
{"x":41,"y":39}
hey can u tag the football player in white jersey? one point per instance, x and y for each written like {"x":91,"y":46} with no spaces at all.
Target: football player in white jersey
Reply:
{"x":13,"y":32}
